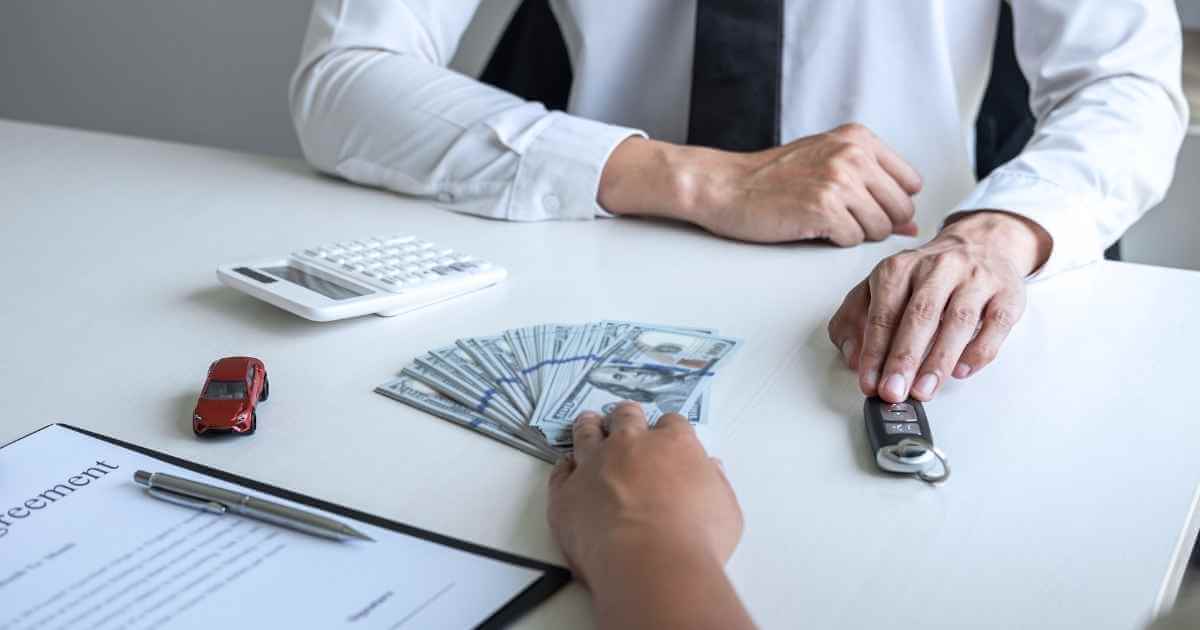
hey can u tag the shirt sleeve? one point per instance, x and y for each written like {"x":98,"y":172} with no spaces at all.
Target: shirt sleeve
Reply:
{"x":373,"y":101}
{"x":1105,"y":86}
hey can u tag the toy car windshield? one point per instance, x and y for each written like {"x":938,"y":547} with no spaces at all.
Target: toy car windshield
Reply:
{"x":225,"y":390}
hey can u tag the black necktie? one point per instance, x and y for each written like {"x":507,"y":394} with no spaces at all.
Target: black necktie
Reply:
{"x":736,"y":74}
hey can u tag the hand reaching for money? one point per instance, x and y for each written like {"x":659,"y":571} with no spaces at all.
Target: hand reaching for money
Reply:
{"x":648,"y":521}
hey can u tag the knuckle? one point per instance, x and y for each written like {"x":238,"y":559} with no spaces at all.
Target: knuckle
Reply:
{"x":1003,"y":318}
{"x":850,"y":237}
{"x":854,"y":131}
{"x":622,"y":433}
{"x":587,"y":432}
{"x":851,"y":154}
{"x":906,"y":360}
{"x":963,"y":315}
{"x":924,"y":310}
{"x":893,"y":265}
{"x":884,"y":318}
{"x":834,"y":327}
{"x":984,"y":355}
{"x":877,"y":232}
{"x":949,"y":258}
{"x":939,"y":360}
{"x":873,"y":355}
{"x":827,"y":196}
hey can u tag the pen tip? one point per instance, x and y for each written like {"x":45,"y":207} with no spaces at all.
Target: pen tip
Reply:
{"x":354,"y":533}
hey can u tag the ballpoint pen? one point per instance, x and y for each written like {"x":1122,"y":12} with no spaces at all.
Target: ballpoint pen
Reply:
{"x":216,"y":500}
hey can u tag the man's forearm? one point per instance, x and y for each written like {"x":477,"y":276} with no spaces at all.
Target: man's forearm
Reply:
{"x":656,"y":586}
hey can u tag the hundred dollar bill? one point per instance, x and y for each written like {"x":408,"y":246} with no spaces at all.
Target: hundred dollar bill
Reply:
{"x":469,"y":398}
{"x":416,"y":394}
{"x":495,"y":357}
{"x":665,"y":370}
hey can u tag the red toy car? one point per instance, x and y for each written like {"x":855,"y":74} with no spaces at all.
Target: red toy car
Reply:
{"x":234,"y":386}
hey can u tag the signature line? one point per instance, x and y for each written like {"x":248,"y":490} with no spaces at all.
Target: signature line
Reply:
{"x":418,"y":609}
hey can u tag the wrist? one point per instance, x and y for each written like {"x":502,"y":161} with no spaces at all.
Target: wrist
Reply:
{"x":1021,"y":241}
{"x":629,"y":555}
{"x":646,"y":573}
{"x":651,"y":178}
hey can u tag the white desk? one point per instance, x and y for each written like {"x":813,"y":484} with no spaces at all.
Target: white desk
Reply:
{"x":112,"y":313}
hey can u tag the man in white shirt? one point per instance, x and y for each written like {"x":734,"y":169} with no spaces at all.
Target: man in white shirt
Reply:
{"x":873,"y":101}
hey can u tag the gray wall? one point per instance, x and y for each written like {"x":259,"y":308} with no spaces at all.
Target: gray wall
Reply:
{"x":209,"y":72}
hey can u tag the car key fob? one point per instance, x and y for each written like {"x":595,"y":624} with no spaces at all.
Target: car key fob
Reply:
{"x":901,"y":441}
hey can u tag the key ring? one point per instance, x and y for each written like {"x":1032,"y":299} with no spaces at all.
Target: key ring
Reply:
{"x":923,"y":473}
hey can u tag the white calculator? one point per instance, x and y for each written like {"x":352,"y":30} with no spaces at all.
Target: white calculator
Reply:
{"x":386,"y":276}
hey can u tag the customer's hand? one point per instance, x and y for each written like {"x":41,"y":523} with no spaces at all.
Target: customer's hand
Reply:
{"x":648,"y":521}
{"x":844,"y":186}
{"x":940,"y":310}
{"x":638,"y":487}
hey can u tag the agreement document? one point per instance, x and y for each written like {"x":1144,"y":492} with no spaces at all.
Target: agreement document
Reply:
{"x":83,"y":546}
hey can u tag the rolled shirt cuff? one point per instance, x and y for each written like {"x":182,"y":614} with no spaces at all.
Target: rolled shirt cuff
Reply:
{"x":559,"y":174}
{"x":1069,"y":217}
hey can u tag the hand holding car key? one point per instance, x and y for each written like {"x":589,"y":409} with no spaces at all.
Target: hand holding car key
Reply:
{"x":901,"y":441}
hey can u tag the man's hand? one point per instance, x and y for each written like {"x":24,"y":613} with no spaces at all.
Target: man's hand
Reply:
{"x":941,"y":310}
{"x":648,"y":521}
{"x":844,"y":186}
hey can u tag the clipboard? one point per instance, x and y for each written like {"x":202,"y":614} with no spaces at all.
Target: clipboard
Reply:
{"x":552,"y":579}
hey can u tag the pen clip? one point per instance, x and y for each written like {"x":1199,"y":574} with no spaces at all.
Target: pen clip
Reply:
{"x":187,"y":501}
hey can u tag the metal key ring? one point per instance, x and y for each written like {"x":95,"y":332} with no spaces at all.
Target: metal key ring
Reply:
{"x":937,"y":452}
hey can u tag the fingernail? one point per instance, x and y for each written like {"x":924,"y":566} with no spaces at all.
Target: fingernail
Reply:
{"x":962,"y":370}
{"x":587,"y":415}
{"x":848,"y":348}
{"x":893,"y":387}
{"x":925,"y":385}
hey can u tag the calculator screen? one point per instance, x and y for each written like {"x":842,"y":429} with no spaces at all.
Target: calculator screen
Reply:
{"x":328,"y":288}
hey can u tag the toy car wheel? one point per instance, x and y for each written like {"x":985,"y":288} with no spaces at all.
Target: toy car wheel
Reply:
{"x":266,"y":390}
{"x":253,"y":423}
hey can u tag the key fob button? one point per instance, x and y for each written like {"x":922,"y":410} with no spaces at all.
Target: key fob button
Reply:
{"x":902,"y":428}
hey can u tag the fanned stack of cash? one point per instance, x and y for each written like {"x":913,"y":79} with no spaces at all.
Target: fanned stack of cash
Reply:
{"x":525,"y":386}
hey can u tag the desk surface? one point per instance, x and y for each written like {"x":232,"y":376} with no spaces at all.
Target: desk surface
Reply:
{"x":1076,"y":472}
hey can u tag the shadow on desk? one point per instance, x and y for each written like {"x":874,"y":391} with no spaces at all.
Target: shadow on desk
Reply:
{"x":255,"y":313}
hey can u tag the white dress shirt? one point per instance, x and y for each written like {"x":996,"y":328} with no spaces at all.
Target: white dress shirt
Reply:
{"x":374,"y":102}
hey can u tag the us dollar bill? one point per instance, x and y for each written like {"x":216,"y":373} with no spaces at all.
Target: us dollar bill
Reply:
{"x":664,"y":370}
{"x":416,"y":394}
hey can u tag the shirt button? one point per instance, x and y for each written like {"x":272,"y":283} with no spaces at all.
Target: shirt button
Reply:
{"x":551,"y":203}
